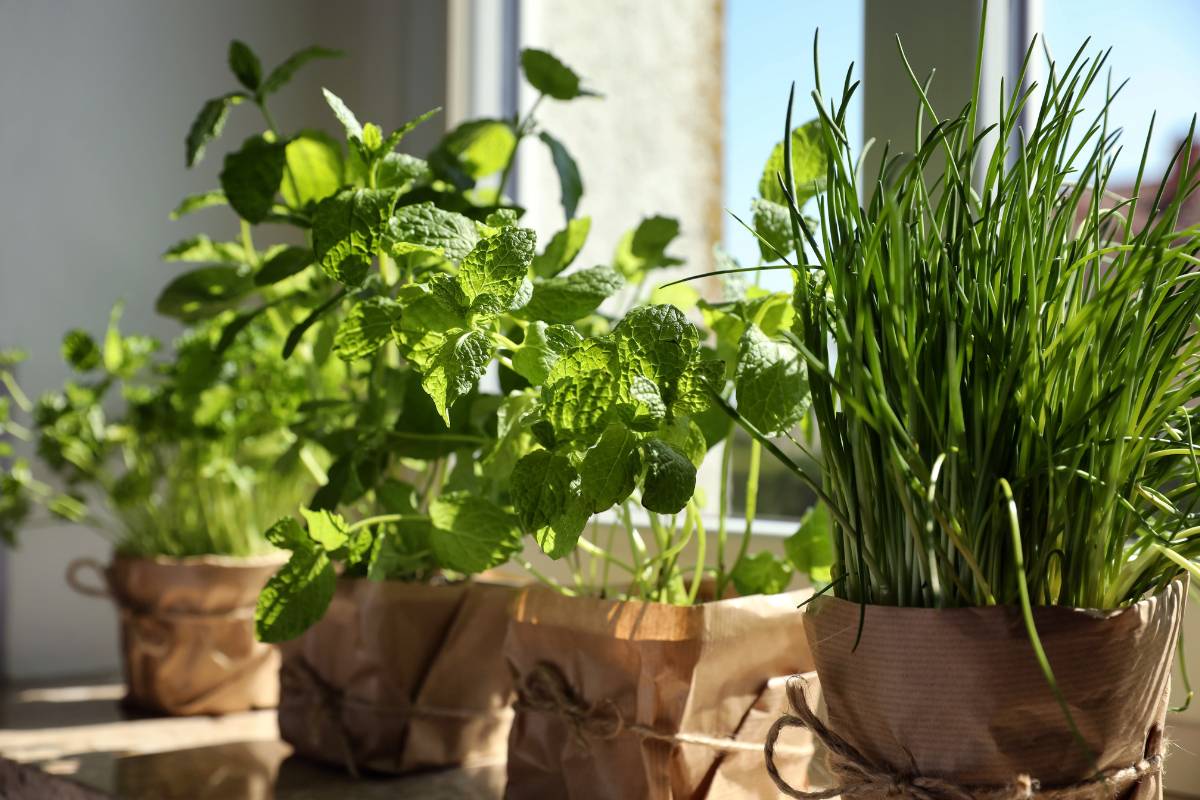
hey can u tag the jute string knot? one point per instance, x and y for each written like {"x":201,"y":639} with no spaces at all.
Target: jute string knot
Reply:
{"x":859,"y":777}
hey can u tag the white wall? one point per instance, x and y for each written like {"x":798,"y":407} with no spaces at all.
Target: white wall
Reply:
{"x":97,"y":99}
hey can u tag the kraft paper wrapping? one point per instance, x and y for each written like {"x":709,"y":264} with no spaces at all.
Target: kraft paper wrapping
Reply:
{"x":957,"y":694}
{"x":187,"y":633}
{"x":704,"y":669}
{"x":398,"y":677}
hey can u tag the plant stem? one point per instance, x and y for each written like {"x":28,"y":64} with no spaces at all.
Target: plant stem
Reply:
{"x":382,"y":518}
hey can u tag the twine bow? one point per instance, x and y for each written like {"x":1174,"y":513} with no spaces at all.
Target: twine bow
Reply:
{"x":859,"y":777}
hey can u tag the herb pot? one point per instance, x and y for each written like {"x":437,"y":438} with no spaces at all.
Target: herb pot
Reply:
{"x":953,"y":701}
{"x":649,"y":700}
{"x":399,"y":677}
{"x":187,"y":631}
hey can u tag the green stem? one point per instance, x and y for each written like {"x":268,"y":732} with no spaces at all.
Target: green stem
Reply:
{"x":751,"y":499}
{"x":723,"y":513}
{"x":544,"y":579}
{"x":701,"y":545}
{"x":382,"y":518}
{"x":519,"y":132}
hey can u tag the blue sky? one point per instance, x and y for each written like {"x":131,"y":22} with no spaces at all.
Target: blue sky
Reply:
{"x":769,"y":44}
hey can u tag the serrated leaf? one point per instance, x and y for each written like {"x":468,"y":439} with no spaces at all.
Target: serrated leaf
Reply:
{"x":657,"y":341}
{"x":566,"y":298}
{"x":761,"y":573}
{"x":201,"y":249}
{"x":354,"y":128}
{"x":773,"y":223}
{"x":208,"y":124}
{"x":471,"y":534}
{"x":283,"y":73}
{"x":424,"y":226}
{"x":325,"y":528}
{"x":562,"y":249}
{"x":401,"y":171}
{"x":541,"y":348}
{"x":251,"y":177}
{"x":550,"y":76}
{"x":80,"y":350}
{"x":196,"y":202}
{"x":296,"y":596}
{"x":809,"y":165}
{"x":543,"y":487}
{"x":479,"y":147}
{"x":562,"y":534}
{"x":685,"y":436}
{"x":454,"y":367}
{"x":284,"y":264}
{"x":692,"y":393}
{"x":203,"y":292}
{"x":245,"y":65}
{"x":395,"y":137}
{"x":372,"y":137}
{"x":348,"y":231}
{"x":366,"y":328}
{"x":397,"y":551}
{"x":492,"y":273}
{"x":644,"y":248}
{"x":314,"y":169}
{"x":569,"y":182}
{"x":610,"y":468}
{"x":642,"y":406}
{"x":771,"y":383}
{"x":579,"y":396}
{"x":670,"y":479}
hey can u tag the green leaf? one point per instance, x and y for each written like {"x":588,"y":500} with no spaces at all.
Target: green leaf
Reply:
{"x":401,"y":171}
{"x":284,"y":264}
{"x":545,"y":494}
{"x":569,"y":181}
{"x":550,"y":76}
{"x":314,"y":169}
{"x":579,"y":396}
{"x":562,"y":534}
{"x":644,"y":248}
{"x":296,"y":596}
{"x":236,"y":325}
{"x":325,"y":528}
{"x":348,"y":231}
{"x":209,"y":124}
{"x":195,"y":202}
{"x":80,"y":351}
{"x":541,"y":348}
{"x":299,"y":329}
{"x":283,"y":73}
{"x":810,"y":548}
{"x":657,"y":341}
{"x":400,"y":550}
{"x":202,"y":250}
{"x":761,"y":573}
{"x":203,"y":292}
{"x":492,"y":273}
{"x":501,"y":218}
{"x":480,"y":147}
{"x":372,"y":137}
{"x":251,"y":177}
{"x":426,"y":227}
{"x":366,"y":328}
{"x":771,"y":383}
{"x":610,"y":469}
{"x":354,"y":128}
{"x":670,"y":479}
{"x":471,"y":534}
{"x":809,"y":166}
{"x":453,"y":369}
{"x":566,"y":298}
{"x":564,"y":246}
{"x":245,"y":65}
{"x":773,"y":223}
{"x":395,"y":137}
{"x":685,"y":436}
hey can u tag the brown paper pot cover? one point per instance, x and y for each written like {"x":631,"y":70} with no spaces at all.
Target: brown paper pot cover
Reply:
{"x":957,"y":693}
{"x":697,"y":670}
{"x":187,"y":633}
{"x":398,"y":677}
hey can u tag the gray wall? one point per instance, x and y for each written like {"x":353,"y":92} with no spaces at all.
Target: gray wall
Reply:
{"x":96,"y":99}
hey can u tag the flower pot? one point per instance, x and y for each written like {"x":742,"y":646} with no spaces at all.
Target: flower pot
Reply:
{"x":187,"y":631}
{"x":647,"y":700}
{"x":398,"y":677}
{"x":954,"y":699}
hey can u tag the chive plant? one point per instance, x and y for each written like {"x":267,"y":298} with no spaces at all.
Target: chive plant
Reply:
{"x":1001,"y":352}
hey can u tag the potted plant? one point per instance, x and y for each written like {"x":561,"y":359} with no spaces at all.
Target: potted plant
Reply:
{"x":1001,"y":356}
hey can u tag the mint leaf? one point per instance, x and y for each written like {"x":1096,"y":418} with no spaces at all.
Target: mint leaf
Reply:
{"x":692,"y":393}
{"x":400,"y":550}
{"x":395,"y":137}
{"x":810,"y":548}
{"x":80,"y":351}
{"x":773,"y":223}
{"x":493,"y":271}
{"x":670,"y":478}
{"x":550,"y":76}
{"x":609,"y":469}
{"x":201,"y":249}
{"x":296,"y":596}
{"x":245,"y":65}
{"x":771,"y":383}
{"x":251,"y":177}
{"x":314,"y":169}
{"x":642,"y":403}
{"x":284,"y":72}
{"x":354,"y":128}
{"x":541,"y":348}
{"x":203,"y":292}
{"x":644,"y":248}
{"x":580,"y":392}
{"x":561,"y":535}
{"x":284,"y":264}
{"x":564,"y":246}
{"x":426,"y":227}
{"x":566,"y":298}
{"x":195,"y":202}
{"x":325,"y":528}
{"x":569,"y":181}
{"x":348,"y":231}
{"x":453,"y":369}
{"x":208,"y":124}
{"x":542,"y":487}
{"x":657,"y":341}
{"x":479,"y":147}
{"x":366,"y":328}
{"x":809,"y":165}
{"x":471,"y":534}
{"x":761,"y":573}
{"x":401,"y":171}
{"x":685,"y":436}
